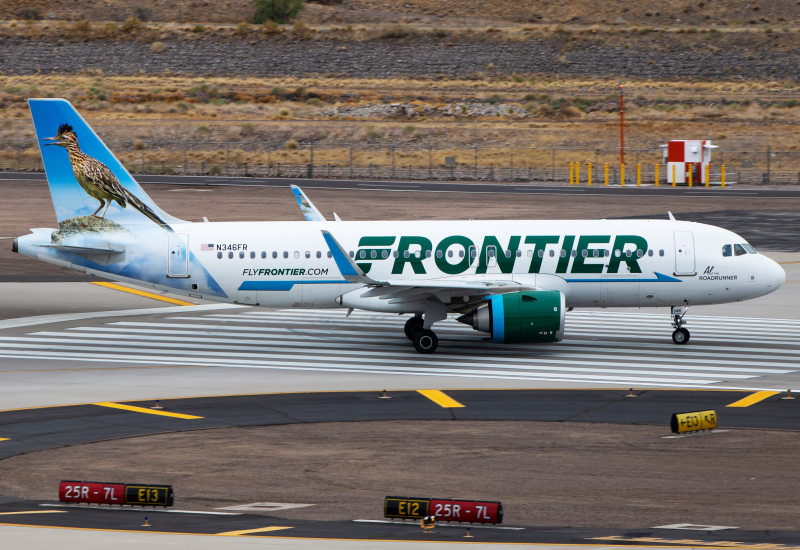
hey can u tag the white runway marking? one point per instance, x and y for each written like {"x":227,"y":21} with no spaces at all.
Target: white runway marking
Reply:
{"x":600,"y":347}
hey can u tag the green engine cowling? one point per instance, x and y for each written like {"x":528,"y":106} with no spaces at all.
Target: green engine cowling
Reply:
{"x":530,"y":317}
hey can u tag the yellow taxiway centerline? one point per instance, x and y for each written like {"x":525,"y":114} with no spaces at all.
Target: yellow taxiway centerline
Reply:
{"x":753,"y":398}
{"x":143,"y":293}
{"x":146,"y":411}
{"x":441,"y":398}
{"x":249,"y":531}
{"x":4,"y":438}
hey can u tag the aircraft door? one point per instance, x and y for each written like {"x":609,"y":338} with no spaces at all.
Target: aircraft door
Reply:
{"x":491,"y":256}
{"x":178,"y":259}
{"x":684,"y":253}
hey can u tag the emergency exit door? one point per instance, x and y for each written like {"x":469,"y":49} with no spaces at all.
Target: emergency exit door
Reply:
{"x":178,"y":260}
{"x":684,"y":253}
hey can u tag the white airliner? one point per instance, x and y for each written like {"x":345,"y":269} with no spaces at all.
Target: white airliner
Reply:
{"x":513,"y":280}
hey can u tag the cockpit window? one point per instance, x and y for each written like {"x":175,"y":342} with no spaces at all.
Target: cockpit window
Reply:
{"x":726,"y":250}
{"x":738,"y":250}
{"x":750,"y":249}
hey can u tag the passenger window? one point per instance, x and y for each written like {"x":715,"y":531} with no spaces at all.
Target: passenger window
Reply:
{"x":439,"y":254}
{"x":362,"y":254}
{"x":474,"y":253}
{"x":308,"y":254}
{"x":385,"y":254}
{"x":319,"y":254}
{"x":427,"y":253}
{"x":616,"y":253}
{"x":639,"y":253}
{"x":584,"y":253}
{"x":595,"y":253}
{"x":352,"y":254}
{"x":530,"y":253}
{"x":738,"y":250}
{"x":540,"y":253}
{"x":628,"y":253}
{"x":285,"y":254}
{"x":219,"y":255}
{"x":252,"y":255}
{"x":230,"y":255}
{"x":296,"y":254}
{"x":650,"y":252}
{"x":519,"y":253}
{"x":406,"y":254}
{"x":329,"y":254}
{"x":606,"y":253}
{"x":661,"y":252}
{"x":491,"y":252}
{"x":263,"y":255}
{"x":450,"y":253}
{"x":552,"y":253}
{"x":274,"y":255}
{"x":395,"y":253}
{"x":241,"y":255}
{"x":460,"y":253}
{"x":574,"y":253}
{"x":417,"y":254}
{"x":563,"y":253}
{"x":750,"y":249}
{"x":726,"y":250}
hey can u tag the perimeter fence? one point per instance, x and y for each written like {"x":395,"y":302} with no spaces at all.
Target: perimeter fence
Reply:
{"x":415,"y":162}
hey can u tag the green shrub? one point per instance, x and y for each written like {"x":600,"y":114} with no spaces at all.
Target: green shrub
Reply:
{"x":132,"y":24}
{"x":291,"y":145}
{"x":248,"y":129}
{"x":198,"y":28}
{"x":315,"y":102}
{"x":202,"y":128}
{"x":278,"y":90}
{"x":83,"y":26}
{"x":216,"y":169}
{"x":183,"y":106}
{"x":242,"y":29}
{"x":279,"y":11}
{"x":300,"y":91}
{"x":285,"y":112}
{"x":396,"y":31}
{"x":13,"y":89}
{"x":271,"y":27}
{"x":517,"y":78}
{"x":410,"y":129}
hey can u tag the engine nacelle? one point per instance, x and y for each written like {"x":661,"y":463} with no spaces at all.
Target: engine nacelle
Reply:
{"x":535,"y":316}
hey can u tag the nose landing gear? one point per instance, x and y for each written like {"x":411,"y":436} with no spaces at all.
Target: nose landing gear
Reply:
{"x":681,"y":334}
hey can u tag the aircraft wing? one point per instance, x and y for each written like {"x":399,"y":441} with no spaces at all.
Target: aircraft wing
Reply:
{"x":402,"y":290}
{"x":306,"y":206}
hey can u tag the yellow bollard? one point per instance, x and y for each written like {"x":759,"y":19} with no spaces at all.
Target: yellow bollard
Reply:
{"x":577,"y":173}
{"x":707,"y":167}
{"x":638,"y":175}
{"x":723,"y":176}
{"x":571,"y":168}
{"x":656,"y":175}
{"x":622,"y":175}
{"x":690,"y":175}
{"x":673,"y":175}
{"x":589,"y":174}
{"x":606,"y":168}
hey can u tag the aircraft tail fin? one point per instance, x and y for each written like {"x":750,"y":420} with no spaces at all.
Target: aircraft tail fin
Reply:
{"x":87,"y":182}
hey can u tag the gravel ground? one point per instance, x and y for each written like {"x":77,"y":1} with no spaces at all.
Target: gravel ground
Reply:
{"x":400,"y":58}
{"x":547,"y":474}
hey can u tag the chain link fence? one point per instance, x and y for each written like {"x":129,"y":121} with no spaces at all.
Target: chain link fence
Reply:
{"x":416,"y":162}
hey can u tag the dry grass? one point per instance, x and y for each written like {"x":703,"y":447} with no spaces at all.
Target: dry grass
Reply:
{"x":258,"y":116}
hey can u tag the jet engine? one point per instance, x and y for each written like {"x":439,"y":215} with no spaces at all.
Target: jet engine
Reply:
{"x":516,"y":317}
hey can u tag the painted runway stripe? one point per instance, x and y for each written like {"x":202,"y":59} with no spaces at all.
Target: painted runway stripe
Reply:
{"x":556,"y":358}
{"x":369,"y":358}
{"x":142,"y":293}
{"x":252,"y":531}
{"x":753,"y":399}
{"x":146,"y":411}
{"x":441,"y":399}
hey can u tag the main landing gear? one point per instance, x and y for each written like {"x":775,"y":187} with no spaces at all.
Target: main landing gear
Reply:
{"x":425,"y":340}
{"x":681,"y":335}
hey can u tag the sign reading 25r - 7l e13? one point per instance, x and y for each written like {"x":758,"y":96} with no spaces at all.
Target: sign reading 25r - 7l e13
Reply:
{"x":586,"y":255}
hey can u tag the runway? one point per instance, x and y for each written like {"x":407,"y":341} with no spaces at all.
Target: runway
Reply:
{"x":250,"y":346}
{"x":447,"y":186}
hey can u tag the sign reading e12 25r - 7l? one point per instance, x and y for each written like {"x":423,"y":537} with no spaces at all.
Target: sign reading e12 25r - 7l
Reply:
{"x":97,"y":492}
{"x":443,"y":509}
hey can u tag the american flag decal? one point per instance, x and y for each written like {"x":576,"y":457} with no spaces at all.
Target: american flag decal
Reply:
{"x":206,"y":247}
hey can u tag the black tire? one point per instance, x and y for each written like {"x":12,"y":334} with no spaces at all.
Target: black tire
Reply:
{"x":425,"y":341}
{"x":412,"y":326}
{"x":680,"y":336}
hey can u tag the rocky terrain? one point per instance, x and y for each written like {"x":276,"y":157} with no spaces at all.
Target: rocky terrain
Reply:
{"x":637,"y":56}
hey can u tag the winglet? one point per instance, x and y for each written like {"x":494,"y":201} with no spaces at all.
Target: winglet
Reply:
{"x":347,"y":267}
{"x":306,"y":206}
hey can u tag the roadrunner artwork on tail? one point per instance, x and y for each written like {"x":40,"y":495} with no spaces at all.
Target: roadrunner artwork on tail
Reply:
{"x":96,"y":179}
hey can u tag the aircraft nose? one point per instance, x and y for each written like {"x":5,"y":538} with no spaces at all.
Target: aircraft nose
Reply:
{"x":775,"y":275}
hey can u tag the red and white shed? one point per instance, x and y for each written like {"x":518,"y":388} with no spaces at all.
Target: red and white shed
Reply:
{"x":687,"y":155}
